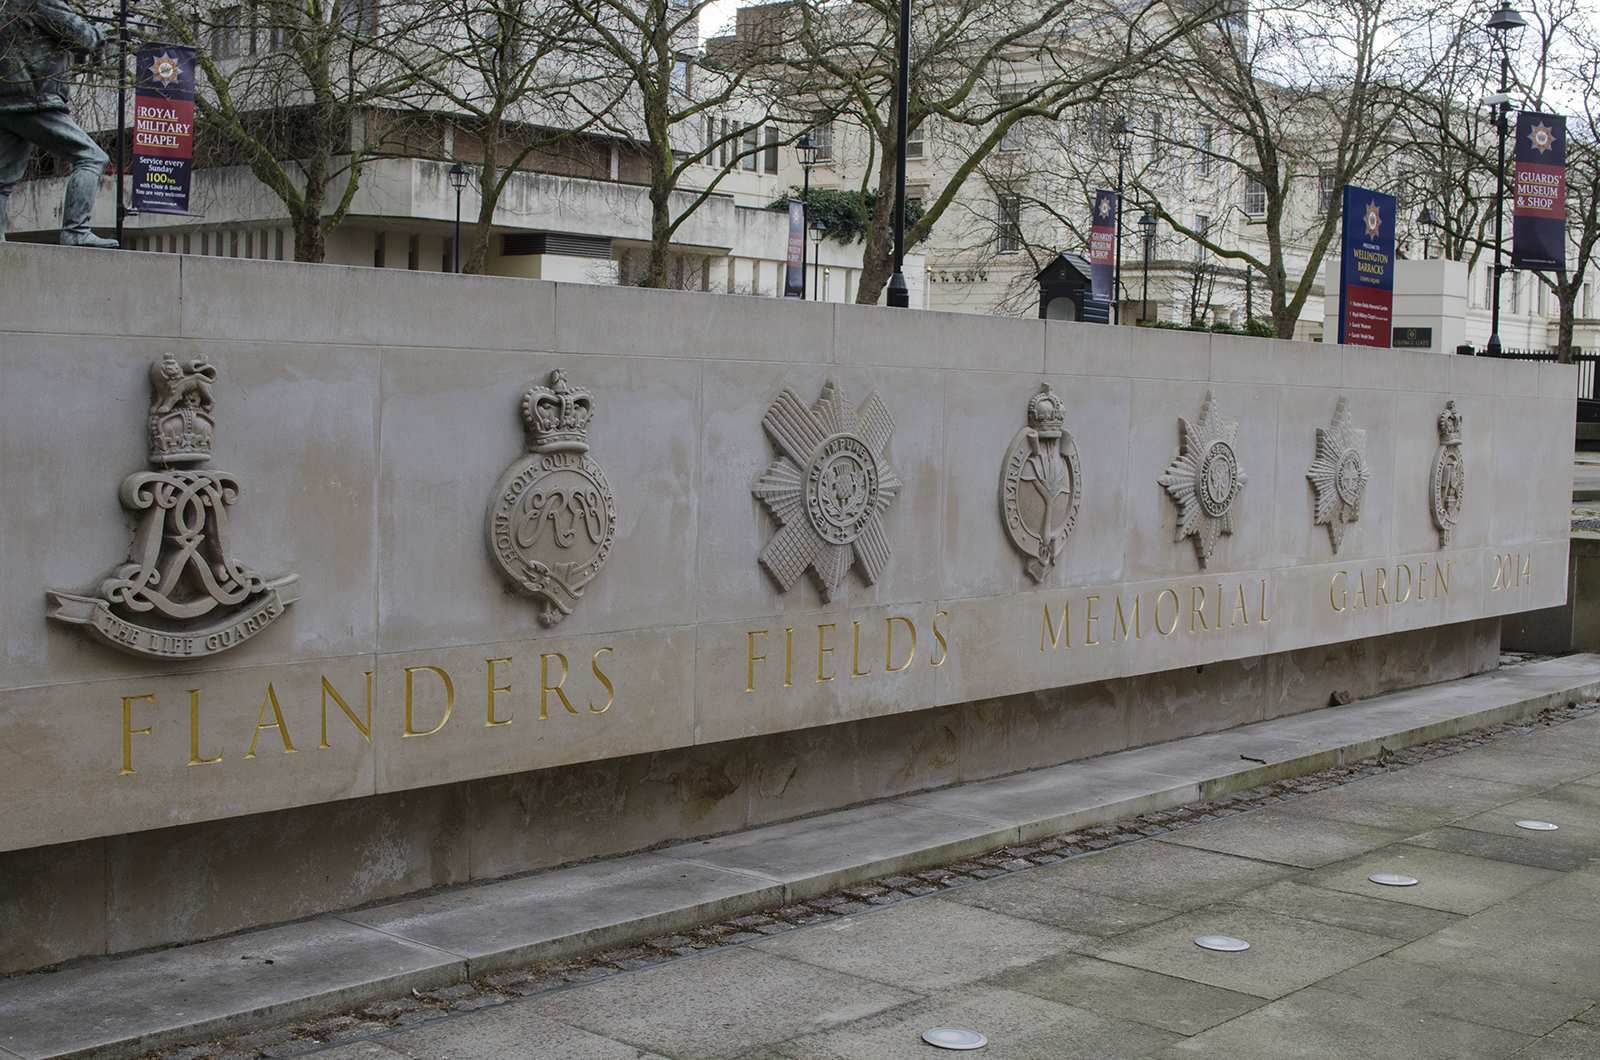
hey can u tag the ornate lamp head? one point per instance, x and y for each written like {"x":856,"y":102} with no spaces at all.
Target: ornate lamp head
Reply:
{"x":557,"y":416}
{"x":181,"y":424}
{"x":1047,"y":413}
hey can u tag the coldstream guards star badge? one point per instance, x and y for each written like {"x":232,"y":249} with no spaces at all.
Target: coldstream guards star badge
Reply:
{"x":828,"y":489}
{"x":552,"y":519}
{"x":1339,"y":473}
{"x":1040,"y":484}
{"x":181,"y":594}
{"x":1205,"y":479}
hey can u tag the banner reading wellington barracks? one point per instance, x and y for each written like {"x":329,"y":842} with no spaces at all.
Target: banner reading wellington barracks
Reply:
{"x":794,"y":276}
{"x":1539,"y":223}
{"x":1366,"y":283}
{"x":163,"y":128}
{"x":1102,"y":234}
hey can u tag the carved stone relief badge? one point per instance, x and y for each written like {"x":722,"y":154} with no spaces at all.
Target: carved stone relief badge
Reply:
{"x":828,"y":489}
{"x":552,"y":519}
{"x":181,"y":594}
{"x":1040,"y":484}
{"x":1339,"y":473}
{"x":1449,"y":480}
{"x":1205,"y":480}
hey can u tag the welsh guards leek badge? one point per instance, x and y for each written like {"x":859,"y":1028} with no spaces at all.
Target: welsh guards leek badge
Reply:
{"x":181,"y":594}
{"x":552,"y":519}
{"x":1040,"y":484}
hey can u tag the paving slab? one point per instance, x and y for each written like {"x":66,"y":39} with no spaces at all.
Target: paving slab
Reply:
{"x":1412,"y":801}
{"x":1356,"y":912}
{"x":705,"y":1010}
{"x":508,"y":1033}
{"x":1279,"y":835}
{"x":1019,"y":1027}
{"x":1574,"y":1041}
{"x":1129,"y":993}
{"x":1324,"y":1025}
{"x":1578,"y":823}
{"x":1043,"y":898}
{"x":1505,"y":845}
{"x":1425,"y":992}
{"x":1454,"y":883}
{"x":925,"y":946}
{"x":1521,"y":761}
{"x":213,"y":988}
{"x":1508,"y":944}
{"x":1165,"y":875}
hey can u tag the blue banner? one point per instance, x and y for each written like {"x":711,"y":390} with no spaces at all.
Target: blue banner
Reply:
{"x":1366,"y":283}
{"x":1102,"y":236}
{"x":1539,"y":219}
{"x":163,"y":128}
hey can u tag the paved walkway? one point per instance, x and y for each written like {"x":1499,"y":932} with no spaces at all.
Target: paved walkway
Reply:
{"x":1494,"y":953}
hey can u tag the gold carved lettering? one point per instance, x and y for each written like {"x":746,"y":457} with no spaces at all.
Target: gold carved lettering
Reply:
{"x":1239,"y":609}
{"x":1049,"y":630}
{"x":1378,"y":596}
{"x":1090,"y":618}
{"x":1197,"y":607}
{"x":1338,"y":603}
{"x":888,"y":650}
{"x":194,"y":732}
{"x":855,"y":665}
{"x":1422,"y":577}
{"x":545,"y":687}
{"x":1526,"y":577}
{"x":750,"y":669}
{"x":1397,"y":597}
{"x":271,"y":700}
{"x":788,"y":655}
{"x":449,"y":700}
{"x":129,"y":732}
{"x":328,"y":690}
{"x":611,"y":693}
{"x":944,"y":648}
{"x":1262,"y":615}
{"x":822,"y":650}
{"x":1499,"y":573}
{"x":1441,"y":579}
{"x":493,"y":688}
{"x":1117,"y":620}
{"x":1176,"y":607}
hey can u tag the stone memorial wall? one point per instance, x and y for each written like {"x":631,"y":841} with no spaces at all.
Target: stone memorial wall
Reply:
{"x":391,"y":581}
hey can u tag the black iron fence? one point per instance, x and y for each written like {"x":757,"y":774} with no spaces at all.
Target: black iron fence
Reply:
{"x":1585,"y":362}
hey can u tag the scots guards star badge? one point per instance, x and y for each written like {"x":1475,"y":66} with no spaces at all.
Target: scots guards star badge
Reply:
{"x":552,"y":518}
{"x":181,"y":594}
{"x":1040,"y":484}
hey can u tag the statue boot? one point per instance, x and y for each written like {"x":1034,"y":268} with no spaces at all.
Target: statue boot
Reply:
{"x":82,"y":185}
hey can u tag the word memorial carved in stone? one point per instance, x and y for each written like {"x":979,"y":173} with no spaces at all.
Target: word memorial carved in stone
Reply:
{"x":1205,"y":480}
{"x":1448,"y":483}
{"x":181,"y":594}
{"x":552,"y":518}
{"x":828,"y":489}
{"x":1041,"y":485}
{"x":1339,"y":473}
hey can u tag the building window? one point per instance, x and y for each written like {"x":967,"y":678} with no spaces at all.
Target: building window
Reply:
{"x":378,"y":248}
{"x":229,"y":32}
{"x":1488,"y":285}
{"x":1010,"y":224}
{"x":750,"y":144}
{"x":1202,"y":229}
{"x":822,"y":137}
{"x":1202,"y":151}
{"x":914,"y":143}
{"x":769,"y":157}
{"x":1155,"y":138}
{"x":1516,"y":299}
{"x":1588,"y":306}
{"x":1326,"y":189}
{"x":725,"y":143}
{"x":1011,"y":139}
{"x":359,"y":17}
{"x":1255,"y":195}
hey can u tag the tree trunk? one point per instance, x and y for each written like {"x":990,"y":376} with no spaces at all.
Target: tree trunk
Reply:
{"x":477,"y":261}
{"x":1566,"y":295}
{"x":877,"y":259}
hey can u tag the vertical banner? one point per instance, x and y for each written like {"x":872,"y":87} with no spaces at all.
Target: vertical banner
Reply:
{"x":1102,"y":234}
{"x":1366,"y":286}
{"x":1539,"y":223}
{"x":163,"y":128}
{"x":794,"y":277}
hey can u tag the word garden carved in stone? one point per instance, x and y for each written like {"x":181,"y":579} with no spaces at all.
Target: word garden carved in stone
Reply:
{"x":828,"y":489}
{"x":552,"y":518}
{"x":1448,"y":482}
{"x":1205,"y":479}
{"x":181,"y":594}
{"x":1339,"y":473}
{"x":1040,"y":484}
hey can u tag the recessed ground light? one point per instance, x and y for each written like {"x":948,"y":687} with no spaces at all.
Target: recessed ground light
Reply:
{"x":954,"y":1038}
{"x":1393,"y":879}
{"x":1538,"y":826}
{"x":1225,"y":943}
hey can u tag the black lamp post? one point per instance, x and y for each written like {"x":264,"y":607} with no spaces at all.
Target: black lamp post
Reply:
{"x":1501,"y":23}
{"x":1147,"y":224}
{"x":1120,"y":136}
{"x":458,"y":181}
{"x":899,"y":293}
{"x":1425,"y":221}
{"x":817,"y":230}
{"x":807,"y":150}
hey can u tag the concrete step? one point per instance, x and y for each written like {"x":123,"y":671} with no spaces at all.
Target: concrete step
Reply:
{"x":125,"y":1006}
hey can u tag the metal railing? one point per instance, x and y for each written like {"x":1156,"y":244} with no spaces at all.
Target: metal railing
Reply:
{"x":1585,"y":362}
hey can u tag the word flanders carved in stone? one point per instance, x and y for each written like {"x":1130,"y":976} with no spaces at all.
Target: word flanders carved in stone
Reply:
{"x":181,"y":594}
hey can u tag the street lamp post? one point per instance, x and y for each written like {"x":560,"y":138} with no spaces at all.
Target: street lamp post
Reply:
{"x":817,"y":230}
{"x":1120,"y":134}
{"x":458,"y":181}
{"x":807,"y":150}
{"x":899,"y":293}
{"x":1501,"y":23}
{"x":1147,"y":225}
{"x":1425,"y":221}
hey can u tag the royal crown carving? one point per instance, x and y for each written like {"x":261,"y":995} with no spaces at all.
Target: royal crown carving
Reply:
{"x":181,"y":594}
{"x":1205,"y":479}
{"x":1041,"y":484}
{"x":1448,"y":482}
{"x":828,"y":489}
{"x":1339,"y":473}
{"x":552,"y":518}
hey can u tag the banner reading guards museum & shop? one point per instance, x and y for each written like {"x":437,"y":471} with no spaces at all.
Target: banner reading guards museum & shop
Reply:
{"x":163,"y":128}
{"x":1539,"y":223}
{"x":1366,"y":284}
{"x":1102,"y":234}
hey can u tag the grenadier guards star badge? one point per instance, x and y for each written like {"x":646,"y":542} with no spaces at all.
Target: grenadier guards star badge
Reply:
{"x":551,"y":520}
{"x":180,"y":595}
{"x":1040,"y":484}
